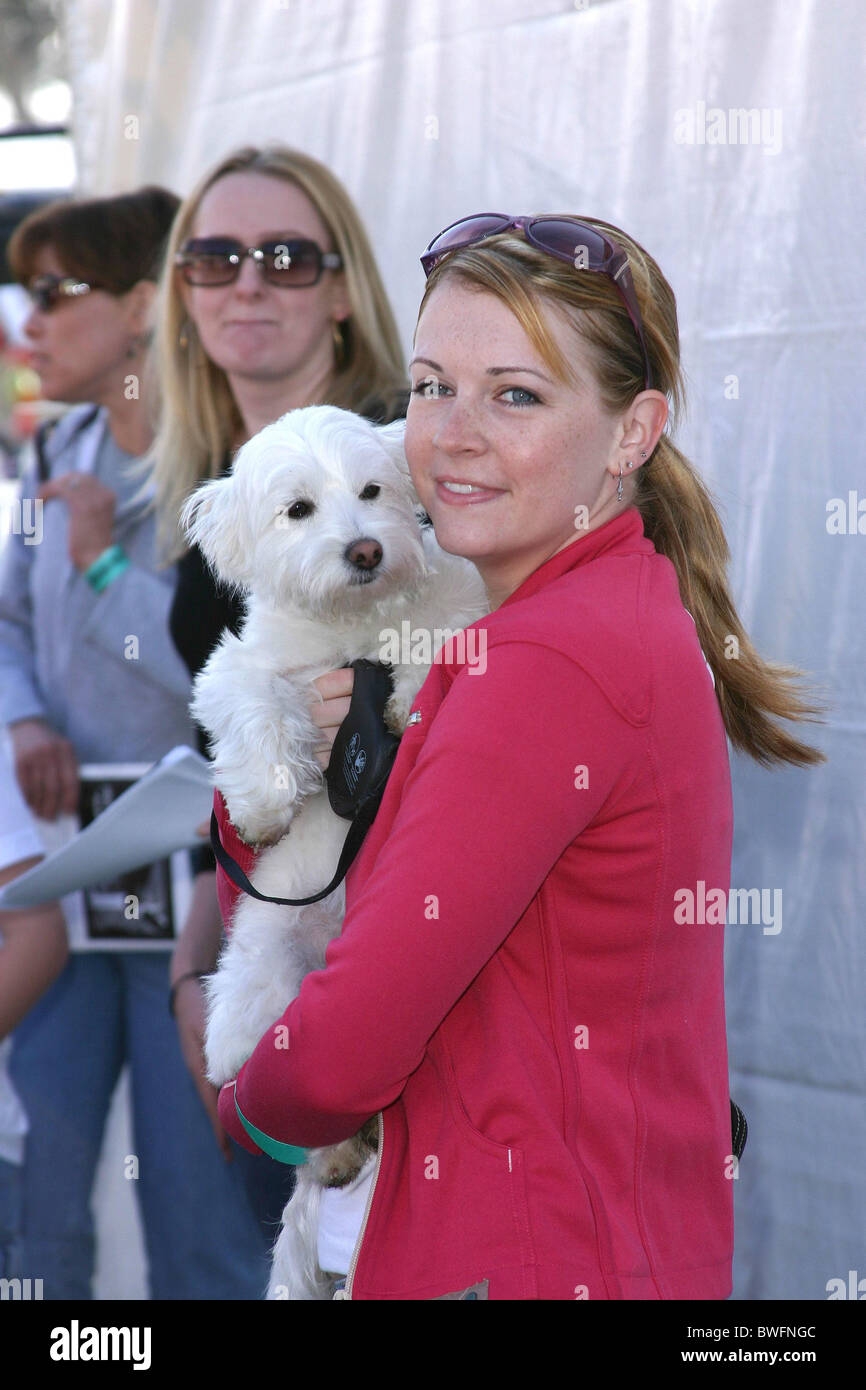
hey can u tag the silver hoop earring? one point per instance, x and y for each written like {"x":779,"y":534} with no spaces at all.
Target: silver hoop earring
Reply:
{"x":619,"y":485}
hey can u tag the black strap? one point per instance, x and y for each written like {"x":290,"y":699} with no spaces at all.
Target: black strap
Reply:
{"x":364,"y":748}
{"x":739,"y":1130}
{"x":351,"y":845}
{"x":361,"y":760}
{"x":44,"y":432}
{"x":39,"y":442}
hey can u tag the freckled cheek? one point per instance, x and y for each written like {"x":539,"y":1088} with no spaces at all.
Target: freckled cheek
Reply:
{"x":579,"y":451}
{"x":554,"y":476}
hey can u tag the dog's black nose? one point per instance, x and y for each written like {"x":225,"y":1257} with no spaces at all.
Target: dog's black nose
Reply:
{"x":364,"y":554}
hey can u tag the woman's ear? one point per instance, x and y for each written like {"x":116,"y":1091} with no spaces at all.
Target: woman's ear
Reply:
{"x":643,"y":423}
{"x":184,"y":292}
{"x":140,"y":304}
{"x":213,"y":520}
{"x":341,"y":305}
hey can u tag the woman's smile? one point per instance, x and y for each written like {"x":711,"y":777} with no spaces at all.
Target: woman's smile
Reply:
{"x":460,"y":494}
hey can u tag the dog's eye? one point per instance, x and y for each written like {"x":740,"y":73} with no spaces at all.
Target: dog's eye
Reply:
{"x":370,"y":491}
{"x":297,"y":510}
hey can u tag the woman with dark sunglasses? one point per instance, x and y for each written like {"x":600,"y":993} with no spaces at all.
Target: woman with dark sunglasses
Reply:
{"x":528,"y":987}
{"x":88,"y":674}
{"x":271,"y":299}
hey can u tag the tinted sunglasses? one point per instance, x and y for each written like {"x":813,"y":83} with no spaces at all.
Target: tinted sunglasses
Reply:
{"x":290,"y":264}
{"x":567,"y":238}
{"x":46,"y":291}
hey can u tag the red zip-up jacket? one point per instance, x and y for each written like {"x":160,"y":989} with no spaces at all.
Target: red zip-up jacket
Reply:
{"x":511,"y":990}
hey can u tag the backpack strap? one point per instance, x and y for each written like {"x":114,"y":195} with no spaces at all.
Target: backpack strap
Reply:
{"x":44,"y":433}
{"x":739,"y":1130}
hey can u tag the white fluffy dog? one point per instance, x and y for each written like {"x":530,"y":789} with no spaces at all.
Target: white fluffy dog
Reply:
{"x":318,"y":526}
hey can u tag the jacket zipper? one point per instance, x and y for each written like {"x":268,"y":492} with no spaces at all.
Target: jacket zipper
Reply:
{"x":347,"y":1291}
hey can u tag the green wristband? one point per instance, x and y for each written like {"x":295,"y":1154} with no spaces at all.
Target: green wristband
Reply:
{"x":283,"y":1153}
{"x":106,"y":567}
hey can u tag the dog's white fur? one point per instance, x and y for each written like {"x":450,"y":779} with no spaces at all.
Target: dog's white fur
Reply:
{"x":307,"y":613}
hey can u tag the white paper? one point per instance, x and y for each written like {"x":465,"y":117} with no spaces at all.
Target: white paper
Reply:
{"x":150,"y":821}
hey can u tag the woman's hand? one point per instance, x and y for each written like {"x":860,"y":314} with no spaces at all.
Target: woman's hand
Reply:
{"x":197,"y":951}
{"x":46,"y":768}
{"x":335,"y":688}
{"x":91,"y":507}
{"x":189,"y":1013}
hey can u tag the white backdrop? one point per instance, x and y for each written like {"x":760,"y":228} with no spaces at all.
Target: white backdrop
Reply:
{"x":630,"y":110}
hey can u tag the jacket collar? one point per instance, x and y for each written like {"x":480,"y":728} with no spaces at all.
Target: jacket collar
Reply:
{"x":624,"y":534}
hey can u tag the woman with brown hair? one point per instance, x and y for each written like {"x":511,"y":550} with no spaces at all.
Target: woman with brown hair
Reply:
{"x":88,"y":673}
{"x":515,"y":991}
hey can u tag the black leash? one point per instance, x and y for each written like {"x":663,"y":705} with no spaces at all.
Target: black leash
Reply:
{"x":361,"y":759}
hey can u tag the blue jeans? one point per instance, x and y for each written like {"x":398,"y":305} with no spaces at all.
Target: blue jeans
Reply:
{"x":201,"y":1237}
{"x":10,"y":1220}
{"x":268,"y":1185}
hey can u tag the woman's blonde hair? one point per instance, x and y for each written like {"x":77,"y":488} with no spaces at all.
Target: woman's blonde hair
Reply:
{"x":199,"y":419}
{"x":677,"y":511}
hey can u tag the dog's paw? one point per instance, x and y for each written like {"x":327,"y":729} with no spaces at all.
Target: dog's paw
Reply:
{"x":407,"y":682}
{"x":396,"y":715}
{"x":260,"y":828}
{"x":223,"y":1057}
{"x":226,"y":1045}
{"x":263,"y":815}
{"x":340,"y":1164}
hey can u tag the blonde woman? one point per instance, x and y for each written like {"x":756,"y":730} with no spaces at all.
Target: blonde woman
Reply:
{"x":515,"y":991}
{"x":271,"y":300}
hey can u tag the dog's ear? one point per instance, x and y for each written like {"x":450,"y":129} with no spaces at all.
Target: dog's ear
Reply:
{"x":392,"y":436}
{"x":213,"y":520}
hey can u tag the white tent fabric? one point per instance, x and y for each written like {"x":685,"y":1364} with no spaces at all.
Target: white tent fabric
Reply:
{"x":728,"y":137}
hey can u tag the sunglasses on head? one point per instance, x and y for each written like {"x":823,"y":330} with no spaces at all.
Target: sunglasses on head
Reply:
{"x":293,"y":263}
{"x":46,"y":291}
{"x":567,"y":238}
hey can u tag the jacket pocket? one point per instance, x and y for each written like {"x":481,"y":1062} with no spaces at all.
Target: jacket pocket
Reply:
{"x":499,"y":1170}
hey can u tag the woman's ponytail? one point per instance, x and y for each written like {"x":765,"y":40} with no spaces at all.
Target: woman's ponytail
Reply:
{"x":681,"y":521}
